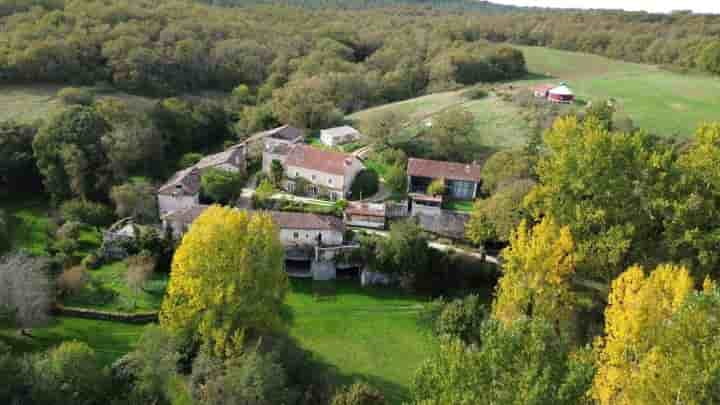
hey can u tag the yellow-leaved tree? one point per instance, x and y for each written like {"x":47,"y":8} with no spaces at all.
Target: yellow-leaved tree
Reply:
{"x":537,"y":272}
{"x":639,"y":308}
{"x":227,"y":279}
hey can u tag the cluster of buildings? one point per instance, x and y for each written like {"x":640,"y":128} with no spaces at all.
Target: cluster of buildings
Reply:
{"x":314,"y":242}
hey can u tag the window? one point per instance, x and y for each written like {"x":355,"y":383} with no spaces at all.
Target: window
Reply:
{"x":314,"y":177}
{"x":329,"y":180}
{"x":297,"y":173}
{"x":296,"y":235}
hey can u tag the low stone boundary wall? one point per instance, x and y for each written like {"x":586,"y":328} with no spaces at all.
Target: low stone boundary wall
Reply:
{"x":139,"y":318}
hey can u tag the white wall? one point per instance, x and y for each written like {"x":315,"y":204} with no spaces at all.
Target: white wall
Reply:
{"x":168,"y":203}
{"x":309,"y":237}
{"x":321,"y":178}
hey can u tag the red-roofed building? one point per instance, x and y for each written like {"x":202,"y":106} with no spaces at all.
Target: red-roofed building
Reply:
{"x":328,"y":173}
{"x":461,"y":180}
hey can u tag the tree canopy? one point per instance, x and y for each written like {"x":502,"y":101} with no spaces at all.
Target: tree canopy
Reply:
{"x":227,"y":279}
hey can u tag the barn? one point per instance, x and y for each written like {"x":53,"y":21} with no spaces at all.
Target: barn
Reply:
{"x":561,"y":94}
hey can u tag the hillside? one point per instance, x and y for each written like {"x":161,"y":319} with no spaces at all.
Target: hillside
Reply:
{"x":662,"y":102}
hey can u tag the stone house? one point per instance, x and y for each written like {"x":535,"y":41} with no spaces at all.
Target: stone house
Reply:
{"x":305,"y":229}
{"x":182,"y":191}
{"x":329,"y":174}
{"x":339,"y":135}
{"x":462,"y":181}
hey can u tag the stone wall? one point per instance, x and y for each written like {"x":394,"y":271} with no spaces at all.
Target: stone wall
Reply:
{"x":139,"y":318}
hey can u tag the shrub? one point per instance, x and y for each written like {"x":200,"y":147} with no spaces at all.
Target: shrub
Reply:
{"x":91,"y":261}
{"x":359,"y":394}
{"x":76,"y":96}
{"x":89,"y":212}
{"x":69,"y":374}
{"x":461,"y":318}
{"x":475,"y":93}
{"x":365,"y":185}
{"x":189,"y":159}
{"x":69,"y":230}
{"x":71,"y":281}
{"x":437,"y":187}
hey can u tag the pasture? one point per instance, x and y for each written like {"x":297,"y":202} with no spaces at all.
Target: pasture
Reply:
{"x":662,"y":102}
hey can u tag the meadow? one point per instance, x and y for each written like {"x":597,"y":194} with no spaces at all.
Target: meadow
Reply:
{"x":662,"y":102}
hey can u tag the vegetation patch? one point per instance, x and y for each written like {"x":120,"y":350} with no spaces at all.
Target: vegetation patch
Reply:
{"x":107,"y":289}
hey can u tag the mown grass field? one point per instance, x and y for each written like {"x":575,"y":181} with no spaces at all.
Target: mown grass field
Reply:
{"x":370,"y":334}
{"x":666,"y":103}
{"x":662,"y":102}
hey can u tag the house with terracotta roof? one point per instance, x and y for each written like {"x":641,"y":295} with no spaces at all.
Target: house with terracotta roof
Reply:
{"x":328,"y":173}
{"x":462,"y":180}
{"x":182,"y":191}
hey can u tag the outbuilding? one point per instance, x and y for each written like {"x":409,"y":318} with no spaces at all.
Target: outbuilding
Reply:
{"x":339,"y":135}
{"x":561,"y":94}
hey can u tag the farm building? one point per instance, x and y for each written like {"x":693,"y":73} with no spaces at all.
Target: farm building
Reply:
{"x":367,"y":215}
{"x":561,"y":94}
{"x":339,"y":135}
{"x":543,"y":91}
{"x":461,"y":180}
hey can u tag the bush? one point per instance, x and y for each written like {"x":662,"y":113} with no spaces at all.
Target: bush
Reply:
{"x":91,"y":213}
{"x":366,"y":184}
{"x":91,"y":261}
{"x":71,"y":281}
{"x":359,"y":394}
{"x":69,"y":230}
{"x":189,"y":159}
{"x":461,"y":318}
{"x":475,"y":93}
{"x":69,"y":374}
{"x":76,"y":96}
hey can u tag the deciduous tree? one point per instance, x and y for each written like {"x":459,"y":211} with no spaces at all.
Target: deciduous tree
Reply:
{"x":537,"y":271}
{"x":227,"y":279}
{"x":26,"y":292}
{"x":640,"y":306}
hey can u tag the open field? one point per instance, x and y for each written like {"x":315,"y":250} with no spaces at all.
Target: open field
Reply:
{"x":29,"y":103}
{"x":370,"y":334}
{"x":663,"y":102}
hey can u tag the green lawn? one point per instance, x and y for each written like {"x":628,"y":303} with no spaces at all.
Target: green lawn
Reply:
{"x":107,"y":290}
{"x":29,"y":221}
{"x":463,"y":206}
{"x":110,"y":340}
{"x":370,"y":334}
{"x":663,"y":102}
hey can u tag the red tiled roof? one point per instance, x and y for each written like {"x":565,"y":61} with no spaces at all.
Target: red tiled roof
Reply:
{"x":301,"y":220}
{"x":321,"y":160}
{"x":366,"y":209}
{"x":436,"y":169}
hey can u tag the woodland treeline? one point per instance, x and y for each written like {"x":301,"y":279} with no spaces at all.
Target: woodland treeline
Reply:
{"x":354,"y":58}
